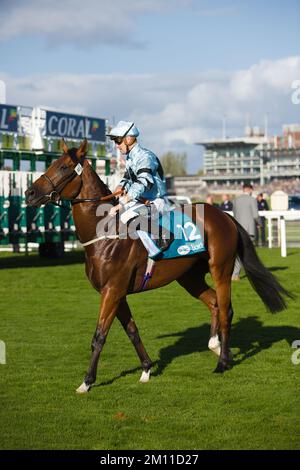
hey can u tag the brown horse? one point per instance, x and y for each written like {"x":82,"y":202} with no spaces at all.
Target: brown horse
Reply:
{"x":116,"y":267}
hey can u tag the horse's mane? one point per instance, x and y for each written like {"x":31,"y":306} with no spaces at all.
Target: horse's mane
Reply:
{"x":104,"y":188}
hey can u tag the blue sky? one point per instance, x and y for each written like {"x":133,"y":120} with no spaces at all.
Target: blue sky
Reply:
{"x":175,"y":67}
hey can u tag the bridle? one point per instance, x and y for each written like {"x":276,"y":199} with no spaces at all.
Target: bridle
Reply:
{"x":54,"y":197}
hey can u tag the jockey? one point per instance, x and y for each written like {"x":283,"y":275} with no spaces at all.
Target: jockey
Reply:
{"x":143,"y":179}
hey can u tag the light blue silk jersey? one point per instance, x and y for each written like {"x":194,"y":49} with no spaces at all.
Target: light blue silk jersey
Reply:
{"x":144,"y":175}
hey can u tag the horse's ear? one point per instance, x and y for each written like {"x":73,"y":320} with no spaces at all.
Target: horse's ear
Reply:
{"x":83,"y":149}
{"x":64,"y":146}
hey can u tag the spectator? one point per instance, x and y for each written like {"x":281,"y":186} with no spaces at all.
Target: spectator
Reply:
{"x":246,"y":213}
{"x":226,"y":203}
{"x":262,"y":205}
{"x":210,"y":200}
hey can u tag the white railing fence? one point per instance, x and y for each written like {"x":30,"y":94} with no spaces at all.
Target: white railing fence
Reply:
{"x":282,"y":229}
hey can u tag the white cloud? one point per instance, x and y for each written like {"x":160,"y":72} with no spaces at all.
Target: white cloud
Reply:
{"x":172,"y":112}
{"x":267,"y":76}
{"x":78,"y":22}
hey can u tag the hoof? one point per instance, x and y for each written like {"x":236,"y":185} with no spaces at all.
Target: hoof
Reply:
{"x":83,"y":388}
{"x":145,"y":377}
{"x":221,"y":368}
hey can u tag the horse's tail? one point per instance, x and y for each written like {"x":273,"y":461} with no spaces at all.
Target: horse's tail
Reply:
{"x":262,"y":280}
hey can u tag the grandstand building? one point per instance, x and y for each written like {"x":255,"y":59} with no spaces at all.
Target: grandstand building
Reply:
{"x":254,"y":158}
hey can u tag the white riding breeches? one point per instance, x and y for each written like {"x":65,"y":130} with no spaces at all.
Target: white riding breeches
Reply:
{"x":130,"y":209}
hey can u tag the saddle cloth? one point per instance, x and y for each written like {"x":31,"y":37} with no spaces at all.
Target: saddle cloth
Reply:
{"x":186,"y":235}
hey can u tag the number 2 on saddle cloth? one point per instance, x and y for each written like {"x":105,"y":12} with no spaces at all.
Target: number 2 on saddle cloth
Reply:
{"x":167,"y":235}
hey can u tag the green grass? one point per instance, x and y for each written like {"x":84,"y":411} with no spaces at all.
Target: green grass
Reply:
{"x":48,"y":317}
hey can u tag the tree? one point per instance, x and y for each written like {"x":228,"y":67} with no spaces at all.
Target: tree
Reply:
{"x":174,"y":163}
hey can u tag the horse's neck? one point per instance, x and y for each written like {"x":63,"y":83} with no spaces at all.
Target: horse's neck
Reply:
{"x":92,"y":186}
{"x":84,"y":214}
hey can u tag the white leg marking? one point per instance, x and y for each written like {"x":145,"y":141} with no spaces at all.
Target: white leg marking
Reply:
{"x":215,"y":345}
{"x":145,"y":377}
{"x":83,"y":388}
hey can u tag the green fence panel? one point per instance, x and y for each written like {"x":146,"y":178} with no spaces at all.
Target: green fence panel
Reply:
{"x":52,"y":223}
{"x":17,"y":220}
{"x":35,"y":224}
{"x":4,"y":225}
{"x":67,"y":223}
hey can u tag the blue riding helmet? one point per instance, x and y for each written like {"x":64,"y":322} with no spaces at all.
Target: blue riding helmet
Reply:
{"x":123,"y":129}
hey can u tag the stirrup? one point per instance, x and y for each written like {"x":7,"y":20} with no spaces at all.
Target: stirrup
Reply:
{"x":163,"y":243}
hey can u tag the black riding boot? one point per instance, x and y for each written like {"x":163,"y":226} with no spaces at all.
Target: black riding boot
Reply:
{"x":164,"y":243}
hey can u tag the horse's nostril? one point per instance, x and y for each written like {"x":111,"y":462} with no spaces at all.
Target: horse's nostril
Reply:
{"x":30,"y":193}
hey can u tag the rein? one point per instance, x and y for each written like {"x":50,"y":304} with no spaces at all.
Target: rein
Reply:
{"x":79,"y":200}
{"x":96,"y":199}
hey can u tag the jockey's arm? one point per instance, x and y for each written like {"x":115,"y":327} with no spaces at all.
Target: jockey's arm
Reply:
{"x":125,"y":182}
{"x":143,"y":183}
{"x":144,"y":178}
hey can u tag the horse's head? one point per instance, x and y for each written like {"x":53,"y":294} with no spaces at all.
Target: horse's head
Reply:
{"x":61,"y":180}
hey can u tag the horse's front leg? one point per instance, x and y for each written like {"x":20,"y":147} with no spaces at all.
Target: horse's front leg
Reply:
{"x":108,"y":309}
{"x":125,"y":317}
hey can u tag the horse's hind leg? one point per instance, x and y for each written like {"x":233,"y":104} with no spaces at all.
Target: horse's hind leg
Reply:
{"x":194,"y":283}
{"x":125,"y":317}
{"x":209,"y":297}
{"x":222,"y":279}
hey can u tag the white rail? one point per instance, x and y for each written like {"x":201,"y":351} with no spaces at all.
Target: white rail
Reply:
{"x":281,"y":217}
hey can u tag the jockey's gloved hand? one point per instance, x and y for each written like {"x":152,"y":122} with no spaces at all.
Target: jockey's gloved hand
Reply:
{"x":125,"y":199}
{"x":122,"y":201}
{"x":115,"y":209}
{"x":119,"y":188}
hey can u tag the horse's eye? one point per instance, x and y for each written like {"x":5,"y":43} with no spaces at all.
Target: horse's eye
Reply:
{"x":64,"y":167}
